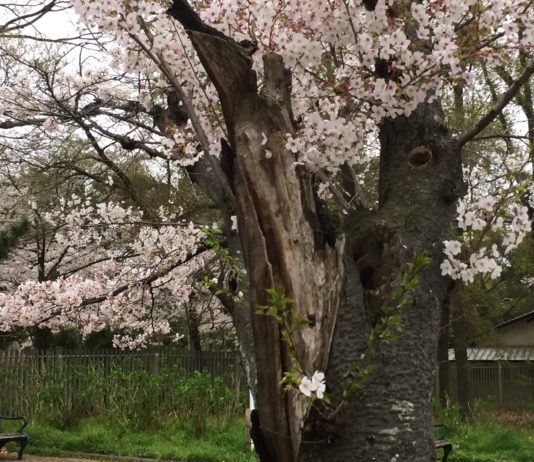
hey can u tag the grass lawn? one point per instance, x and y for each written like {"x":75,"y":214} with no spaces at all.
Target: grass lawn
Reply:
{"x":221,"y":441}
{"x":494,"y":436}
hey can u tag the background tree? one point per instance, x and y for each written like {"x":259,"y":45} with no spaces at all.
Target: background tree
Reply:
{"x":10,"y":237}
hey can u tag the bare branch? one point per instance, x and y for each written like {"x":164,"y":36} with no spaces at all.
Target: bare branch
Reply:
{"x":494,"y":112}
{"x":29,"y":18}
{"x":503,"y":136}
{"x":7,"y":124}
{"x":335,"y":192}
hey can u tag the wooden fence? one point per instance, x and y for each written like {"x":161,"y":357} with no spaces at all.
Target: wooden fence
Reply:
{"x":65,"y":373}
{"x":508,"y":384}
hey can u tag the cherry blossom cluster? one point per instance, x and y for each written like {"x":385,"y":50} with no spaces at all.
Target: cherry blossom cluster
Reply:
{"x":326,"y":143}
{"x":332,"y":48}
{"x":474,"y":220}
{"x":144,"y":37}
{"x":95,"y":247}
{"x":27,"y":95}
{"x":182,"y":146}
{"x":106,"y":256}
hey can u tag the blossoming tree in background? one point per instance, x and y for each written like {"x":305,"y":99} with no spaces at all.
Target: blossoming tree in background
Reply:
{"x":104,"y":219}
{"x":281,"y":112}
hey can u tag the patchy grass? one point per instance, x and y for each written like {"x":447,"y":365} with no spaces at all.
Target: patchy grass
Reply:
{"x":491,"y":436}
{"x":222,"y":441}
{"x":492,"y":442}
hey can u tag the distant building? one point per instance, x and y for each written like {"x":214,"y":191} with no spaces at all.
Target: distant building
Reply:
{"x":517,"y":332}
{"x":504,"y":371}
{"x":503,"y":375}
{"x":483,"y":355}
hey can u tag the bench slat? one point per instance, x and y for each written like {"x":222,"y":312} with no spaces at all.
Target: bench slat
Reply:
{"x":6,"y":436}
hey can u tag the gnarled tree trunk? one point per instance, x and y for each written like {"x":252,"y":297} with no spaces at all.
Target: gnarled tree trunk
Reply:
{"x":340,"y":281}
{"x":392,"y":414}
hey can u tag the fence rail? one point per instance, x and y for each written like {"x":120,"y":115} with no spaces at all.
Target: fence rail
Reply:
{"x":65,"y":374}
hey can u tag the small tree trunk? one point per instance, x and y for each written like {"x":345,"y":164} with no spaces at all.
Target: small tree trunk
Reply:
{"x":443,"y":354}
{"x":193,"y":330}
{"x":460,"y":350}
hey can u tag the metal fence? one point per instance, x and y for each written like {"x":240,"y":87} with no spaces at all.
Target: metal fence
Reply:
{"x":508,"y":384}
{"x":65,"y":372}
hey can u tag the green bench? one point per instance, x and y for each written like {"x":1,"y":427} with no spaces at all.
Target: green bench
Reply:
{"x":18,"y":436}
{"x":441,"y":443}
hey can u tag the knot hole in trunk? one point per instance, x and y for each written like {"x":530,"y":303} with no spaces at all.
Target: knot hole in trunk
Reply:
{"x":419,"y":157}
{"x":375,"y":259}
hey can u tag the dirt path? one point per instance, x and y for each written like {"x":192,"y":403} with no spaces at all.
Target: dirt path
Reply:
{"x":90,"y":458}
{"x":32,"y":458}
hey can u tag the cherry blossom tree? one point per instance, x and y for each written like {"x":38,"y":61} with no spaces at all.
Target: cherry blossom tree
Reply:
{"x":95,"y":209}
{"x":277,"y":110}
{"x":93,"y":125}
{"x":80,"y":252}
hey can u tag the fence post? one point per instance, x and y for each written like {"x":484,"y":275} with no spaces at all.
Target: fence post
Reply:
{"x":499,"y":381}
{"x":154,"y":369}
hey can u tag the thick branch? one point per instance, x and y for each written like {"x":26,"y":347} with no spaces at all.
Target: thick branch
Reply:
{"x":129,"y":144}
{"x":494,"y":112}
{"x":8,"y":124}
{"x":189,"y":18}
{"x":229,"y":67}
{"x":29,"y":18}
{"x":226,"y":61}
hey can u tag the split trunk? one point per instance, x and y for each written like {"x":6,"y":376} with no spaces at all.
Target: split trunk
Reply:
{"x":339,"y":278}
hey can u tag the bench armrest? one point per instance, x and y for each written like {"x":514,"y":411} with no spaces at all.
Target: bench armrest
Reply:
{"x":444,"y":431}
{"x":23,"y":419}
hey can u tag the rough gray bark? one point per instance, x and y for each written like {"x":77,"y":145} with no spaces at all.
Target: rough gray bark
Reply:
{"x":393,"y":412}
{"x":338,"y":284}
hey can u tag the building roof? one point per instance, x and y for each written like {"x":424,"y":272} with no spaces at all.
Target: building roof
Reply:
{"x":497,"y":354}
{"x":527,"y":317}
